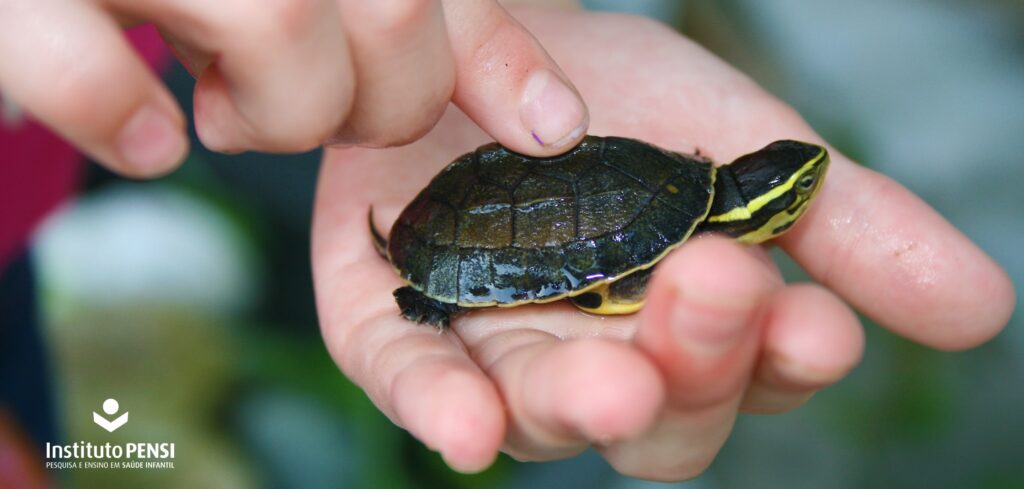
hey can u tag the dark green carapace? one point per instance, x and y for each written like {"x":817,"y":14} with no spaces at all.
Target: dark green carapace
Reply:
{"x":496,"y":228}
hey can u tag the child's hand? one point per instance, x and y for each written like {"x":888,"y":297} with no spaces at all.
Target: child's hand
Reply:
{"x":282,"y":75}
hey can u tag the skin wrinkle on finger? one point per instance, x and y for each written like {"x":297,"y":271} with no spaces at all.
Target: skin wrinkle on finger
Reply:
{"x":487,"y":350}
{"x":387,"y":361}
{"x":562,"y":321}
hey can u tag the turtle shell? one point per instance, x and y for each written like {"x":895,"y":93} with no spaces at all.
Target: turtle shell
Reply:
{"x":500,"y":228}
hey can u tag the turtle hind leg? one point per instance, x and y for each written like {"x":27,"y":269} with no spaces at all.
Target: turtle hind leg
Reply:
{"x":624,"y":296}
{"x":422,"y":309}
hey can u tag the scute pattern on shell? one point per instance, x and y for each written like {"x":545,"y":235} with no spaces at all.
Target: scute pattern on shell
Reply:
{"x":499,"y":227}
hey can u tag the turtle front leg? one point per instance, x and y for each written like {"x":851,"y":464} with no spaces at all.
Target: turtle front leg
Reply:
{"x":624,"y":296}
{"x":422,"y":309}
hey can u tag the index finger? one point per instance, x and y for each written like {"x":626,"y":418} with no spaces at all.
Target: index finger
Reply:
{"x":503,"y":72}
{"x":899,"y":262}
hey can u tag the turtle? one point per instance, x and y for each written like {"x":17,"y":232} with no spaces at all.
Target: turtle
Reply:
{"x":498,"y":228}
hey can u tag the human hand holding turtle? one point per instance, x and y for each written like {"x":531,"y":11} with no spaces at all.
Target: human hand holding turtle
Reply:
{"x":657,"y":392}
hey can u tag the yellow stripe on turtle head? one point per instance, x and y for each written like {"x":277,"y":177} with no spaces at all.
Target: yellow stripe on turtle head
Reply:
{"x":745,"y":212}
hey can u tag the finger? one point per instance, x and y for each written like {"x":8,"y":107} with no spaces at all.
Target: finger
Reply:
{"x":898,"y":261}
{"x":276,"y":78}
{"x":508,"y":84}
{"x":424,"y":381}
{"x":69,"y":65}
{"x":702,"y":327}
{"x":563,"y":395}
{"x":404,"y":70}
{"x":812,"y":339}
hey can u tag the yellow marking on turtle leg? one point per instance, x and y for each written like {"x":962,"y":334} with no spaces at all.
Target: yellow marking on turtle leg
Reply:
{"x":605,"y":304}
{"x":623,"y":296}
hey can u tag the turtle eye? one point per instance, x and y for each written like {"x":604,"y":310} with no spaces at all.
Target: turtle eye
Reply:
{"x":806,"y":182}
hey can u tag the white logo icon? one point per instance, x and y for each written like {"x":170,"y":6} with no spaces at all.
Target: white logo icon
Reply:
{"x":110,"y":407}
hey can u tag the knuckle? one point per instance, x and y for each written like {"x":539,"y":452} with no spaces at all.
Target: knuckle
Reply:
{"x":287,"y":141}
{"x":399,"y":15}
{"x":289,"y":128}
{"x":396,"y":130}
{"x":275,"y":20}
{"x":500,"y":42}
{"x":291,"y":17}
{"x":78,"y":97}
{"x":397,"y":138}
{"x":404,"y":133}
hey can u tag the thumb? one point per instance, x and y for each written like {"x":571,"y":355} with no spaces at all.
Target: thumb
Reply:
{"x":701,"y":324}
{"x":508,"y":84}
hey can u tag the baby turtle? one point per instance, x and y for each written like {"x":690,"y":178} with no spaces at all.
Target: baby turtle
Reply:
{"x":497,"y":228}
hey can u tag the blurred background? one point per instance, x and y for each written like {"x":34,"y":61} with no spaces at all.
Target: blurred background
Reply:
{"x":190,"y":297}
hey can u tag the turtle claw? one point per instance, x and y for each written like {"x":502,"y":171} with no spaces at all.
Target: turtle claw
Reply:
{"x":421,"y":309}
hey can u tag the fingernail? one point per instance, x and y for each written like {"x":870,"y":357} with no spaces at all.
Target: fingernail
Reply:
{"x":151,"y":141}
{"x":705,"y":326}
{"x":551,"y":111}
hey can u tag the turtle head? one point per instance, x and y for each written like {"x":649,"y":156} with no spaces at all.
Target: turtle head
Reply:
{"x":762,"y":194}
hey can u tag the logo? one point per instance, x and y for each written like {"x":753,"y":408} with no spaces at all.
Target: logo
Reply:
{"x":110,"y":407}
{"x":136,"y":454}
